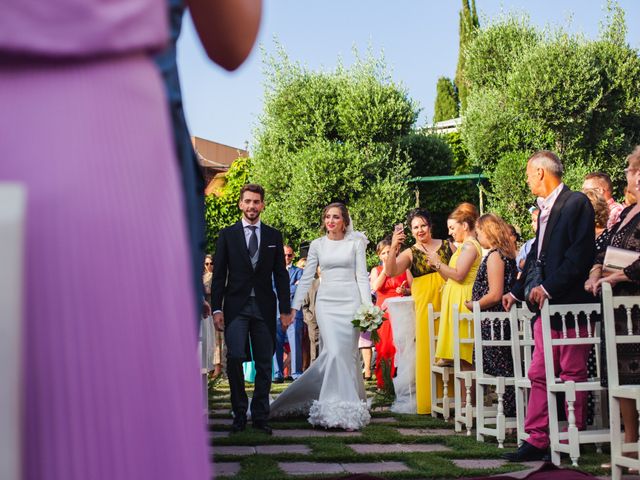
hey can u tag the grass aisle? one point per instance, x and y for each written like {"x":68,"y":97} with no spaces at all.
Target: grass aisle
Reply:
{"x":443,"y":447}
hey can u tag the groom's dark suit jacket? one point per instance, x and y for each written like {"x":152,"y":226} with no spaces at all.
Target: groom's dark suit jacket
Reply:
{"x":234,"y":276}
{"x":568,"y":249}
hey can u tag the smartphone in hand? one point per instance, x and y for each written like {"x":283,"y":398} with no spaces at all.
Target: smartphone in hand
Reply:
{"x":399,"y":227}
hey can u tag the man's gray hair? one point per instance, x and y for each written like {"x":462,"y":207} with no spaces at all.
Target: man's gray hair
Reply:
{"x":549,"y":161}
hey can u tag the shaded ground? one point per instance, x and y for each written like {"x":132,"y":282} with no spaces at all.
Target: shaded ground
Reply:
{"x":392,"y":446}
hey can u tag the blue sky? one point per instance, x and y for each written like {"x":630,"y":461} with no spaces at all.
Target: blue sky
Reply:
{"x":419,"y":39}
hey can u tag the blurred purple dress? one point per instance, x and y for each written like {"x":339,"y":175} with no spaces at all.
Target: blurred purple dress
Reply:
{"x":111,"y":375}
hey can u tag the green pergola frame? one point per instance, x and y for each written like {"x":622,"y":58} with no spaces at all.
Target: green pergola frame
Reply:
{"x":478,"y":177}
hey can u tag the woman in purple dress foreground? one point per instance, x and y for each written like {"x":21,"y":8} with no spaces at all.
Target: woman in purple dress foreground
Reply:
{"x":111,"y":386}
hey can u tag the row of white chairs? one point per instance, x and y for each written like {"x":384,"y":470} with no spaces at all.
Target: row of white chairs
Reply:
{"x":491,"y":420}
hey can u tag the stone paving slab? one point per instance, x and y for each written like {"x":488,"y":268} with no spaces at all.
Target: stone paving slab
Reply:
{"x":221,"y":411}
{"x":384,"y":420}
{"x":309,"y":468}
{"x":377,"y":467}
{"x":424,"y":432}
{"x":479,"y":463}
{"x":220,"y":421}
{"x":225,"y":468}
{"x":398,"y":447}
{"x":219,"y":434}
{"x":303,"y":433}
{"x":276,"y":449}
{"x":234,"y":450}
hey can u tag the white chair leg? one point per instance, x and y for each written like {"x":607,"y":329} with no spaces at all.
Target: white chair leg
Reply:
{"x":480,"y":412}
{"x":457,"y":403}
{"x":469,"y":408}
{"x":446,"y":405}
{"x":572,"y":430}
{"x":616,"y":438}
{"x":434,"y":394}
{"x":501,"y":429}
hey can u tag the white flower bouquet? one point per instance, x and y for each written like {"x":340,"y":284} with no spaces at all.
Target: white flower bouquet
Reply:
{"x":368,"y":318}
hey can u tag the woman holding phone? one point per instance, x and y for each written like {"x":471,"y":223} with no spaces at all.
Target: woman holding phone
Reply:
{"x":426,"y":288}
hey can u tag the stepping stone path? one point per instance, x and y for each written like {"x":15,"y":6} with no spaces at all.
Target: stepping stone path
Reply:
{"x":398,"y":447}
{"x":309,"y":468}
{"x":384,"y":420}
{"x":425,"y":432}
{"x":478,"y":463}
{"x":301,"y":433}
{"x":261,"y":450}
{"x":226,"y":468}
{"x":220,"y":421}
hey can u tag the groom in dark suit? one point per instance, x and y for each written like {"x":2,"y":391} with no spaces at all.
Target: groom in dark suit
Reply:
{"x":564,"y":249}
{"x":249,"y":254}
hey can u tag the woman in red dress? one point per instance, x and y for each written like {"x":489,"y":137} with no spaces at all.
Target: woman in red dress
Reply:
{"x":386,"y":287}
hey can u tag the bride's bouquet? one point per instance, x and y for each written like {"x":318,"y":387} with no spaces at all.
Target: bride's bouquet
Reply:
{"x":368,"y":319}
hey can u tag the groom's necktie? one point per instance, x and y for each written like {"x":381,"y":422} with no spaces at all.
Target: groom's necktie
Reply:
{"x":253,"y":241}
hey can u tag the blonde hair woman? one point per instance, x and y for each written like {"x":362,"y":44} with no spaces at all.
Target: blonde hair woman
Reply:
{"x":459,"y":274}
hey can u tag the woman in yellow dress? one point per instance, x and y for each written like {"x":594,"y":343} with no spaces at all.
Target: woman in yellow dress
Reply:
{"x":426,"y":288}
{"x":459,"y":274}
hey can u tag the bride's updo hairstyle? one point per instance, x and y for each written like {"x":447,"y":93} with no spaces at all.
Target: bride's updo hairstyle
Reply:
{"x":343,"y":210}
{"x":465,"y":213}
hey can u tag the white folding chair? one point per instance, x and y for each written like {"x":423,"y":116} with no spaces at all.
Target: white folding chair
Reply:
{"x":463,"y":415}
{"x":616,"y":391}
{"x":569,"y":441}
{"x":439,"y":405}
{"x":521,"y":351}
{"x":491,"y":420}
{"x":13,"y":211}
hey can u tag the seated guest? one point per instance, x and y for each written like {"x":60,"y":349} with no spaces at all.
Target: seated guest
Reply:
{"x":568,"y":218}
{"x":386,"y":287}
{"x":601,"y":210}
{"x":496,"y":276}
{"x":625,"y":234}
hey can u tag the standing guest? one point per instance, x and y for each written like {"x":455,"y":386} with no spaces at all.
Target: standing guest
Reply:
{"x":309,"y":315}
{"x":218,"y":353}
{"x":496,"y":276}
{"x":426,"y":288}
{"x":625,"y":234}
{"x":228,"y":47}
{"x":526,"y":248}
{"x":79,"y":77}
{"x":386,"y":287}
{"x":249,"y":257}
{"x":460,"y":274}
{"x":293,"y":333}
{"x":601,"y":183}
{"x":601,"y":210}
{"x":568,"y":218}
{"x":365,"y":346}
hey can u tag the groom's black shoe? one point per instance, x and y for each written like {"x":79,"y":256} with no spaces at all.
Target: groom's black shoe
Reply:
{"x":239,"y":424}
{"x":263,"y":426}
{"x":526,"y":453}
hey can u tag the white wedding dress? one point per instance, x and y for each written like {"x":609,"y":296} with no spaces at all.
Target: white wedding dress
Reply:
{"x":331,"y":391}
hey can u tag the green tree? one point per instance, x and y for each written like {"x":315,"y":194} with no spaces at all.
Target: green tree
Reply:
{"x":549,"y":89}
{"x":469,"y":25}
{"x":446,"y":104}
{"x":222,"y":210}
{"x":331,"y":136}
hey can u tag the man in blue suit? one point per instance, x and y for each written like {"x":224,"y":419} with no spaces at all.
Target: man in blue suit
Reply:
{"x":293,"y":334}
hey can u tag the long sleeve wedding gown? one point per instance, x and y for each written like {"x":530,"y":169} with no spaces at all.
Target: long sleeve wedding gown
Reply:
{"x":331,"y":390}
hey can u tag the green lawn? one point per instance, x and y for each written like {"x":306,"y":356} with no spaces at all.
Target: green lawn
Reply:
{"x":335,"y":449}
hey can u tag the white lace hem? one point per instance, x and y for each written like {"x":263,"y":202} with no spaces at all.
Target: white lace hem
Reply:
{"x":340,"y":414}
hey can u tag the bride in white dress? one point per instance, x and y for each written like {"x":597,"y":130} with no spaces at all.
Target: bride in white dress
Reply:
{"x":331,"y":390}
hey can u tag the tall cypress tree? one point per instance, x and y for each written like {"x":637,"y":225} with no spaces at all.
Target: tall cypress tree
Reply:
{"x":446,"y":104}
{"x":469,"y":24}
